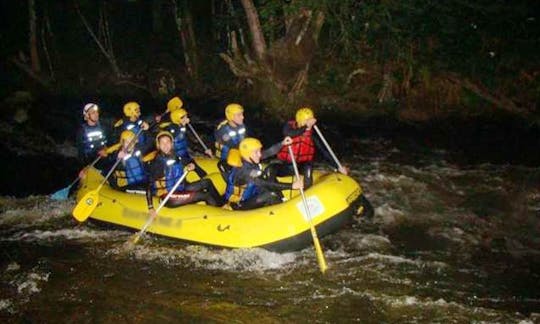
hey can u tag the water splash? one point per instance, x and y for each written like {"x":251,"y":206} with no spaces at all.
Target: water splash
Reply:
{"x":250,"y":260}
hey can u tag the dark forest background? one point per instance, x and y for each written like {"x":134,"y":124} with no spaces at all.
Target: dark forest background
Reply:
{"x":410,"y":59}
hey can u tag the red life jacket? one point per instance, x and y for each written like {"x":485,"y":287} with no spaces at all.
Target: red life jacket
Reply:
{"x":302,"y":146}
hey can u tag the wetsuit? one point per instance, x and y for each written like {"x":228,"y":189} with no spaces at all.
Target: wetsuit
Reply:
{"x":250,"y":187}
{"x":164,"y":172}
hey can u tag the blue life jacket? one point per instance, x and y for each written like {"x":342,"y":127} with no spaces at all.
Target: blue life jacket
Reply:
{"x":172,"y":171}
{"x":179,"y":134}
{"x":239,"y":193}
{"x":135,"y":127}
{"x":94,"y":139}
{"x":134,"y":168}
{"x":234,"y":136}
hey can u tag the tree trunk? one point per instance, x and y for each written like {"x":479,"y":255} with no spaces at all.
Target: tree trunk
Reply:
{"x":184,"y":27}
{"x":258,"y":42}
{"x":46,"y":31}
{"x":280,"y":73}
{"x":237,"y":24}
{"x":192,"y":41}
{"x":32,"y":37}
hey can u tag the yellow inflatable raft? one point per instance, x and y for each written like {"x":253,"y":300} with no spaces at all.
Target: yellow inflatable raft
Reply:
{"x":333,"y":200}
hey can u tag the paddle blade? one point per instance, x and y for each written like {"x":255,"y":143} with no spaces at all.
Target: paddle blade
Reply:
{"x":135,"y":238}
{"x":320,"y":255}
{"x":61,"y":194}
{"x":86,"y":206}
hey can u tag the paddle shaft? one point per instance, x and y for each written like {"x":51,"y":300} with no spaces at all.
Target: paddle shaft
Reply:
{"x":89,"y":202}
{"x":327,"y":146}
{"x":198,"y":137}
{"x":86,"y":167}
{"x":118,"y":160}
{"x":318,"y":249}
{"x":163,"y":202}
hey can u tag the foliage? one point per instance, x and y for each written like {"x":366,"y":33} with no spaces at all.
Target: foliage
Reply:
{"x":493,"y":43}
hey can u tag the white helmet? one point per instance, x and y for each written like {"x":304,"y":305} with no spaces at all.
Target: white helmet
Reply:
{"x":88,"y":107}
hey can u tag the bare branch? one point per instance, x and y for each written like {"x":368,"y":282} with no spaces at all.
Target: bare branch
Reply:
{"x":259,"y":44}
{"x":501,"y":101}
{"x":304,"y":27}
{"x":107,"y":54}
{"x":353,"y":73}
{"x":28,"y":70}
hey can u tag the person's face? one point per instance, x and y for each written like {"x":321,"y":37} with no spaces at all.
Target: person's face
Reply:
{"x":165,"y":144}
{"x":136,"y":114}
{"x":184,"y":120}
{"x":238,"y":118}
{"x":256,"y":156}
{"x":93,"y":116}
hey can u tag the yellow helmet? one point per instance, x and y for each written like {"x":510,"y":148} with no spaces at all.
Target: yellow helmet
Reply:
{"x":302,"y":115}
{"x":232,"y":109}
{"x":161,"y":134}
{"x":177,"y":115}
{"x":174,"y":103}
{"x":127,"y":136}
{"x":131,"y":109}
{"x":248,"y":145}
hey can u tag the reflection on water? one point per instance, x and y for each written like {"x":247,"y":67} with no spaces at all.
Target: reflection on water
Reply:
{"x":447,"y":243}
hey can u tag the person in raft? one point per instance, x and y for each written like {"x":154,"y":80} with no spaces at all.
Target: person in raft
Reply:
{"x":173,"y":104}
{"x":230,"y":131}
{"x":177,"y":127}
{"x":130,"y":174}
{"x":303,"y":146}
{"x":247,"y":186}
{"x":91,"y":139}
{"x":165,"y":170}
{"x":132,"y":121}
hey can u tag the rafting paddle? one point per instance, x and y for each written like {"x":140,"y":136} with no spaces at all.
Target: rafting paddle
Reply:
{"x":135,"y":238}
{"x":206,"y":150}
{"x":328,"y":147}
{"x":318,"y":249}
{"x":89,"y":202}
{"x":63,"y":194}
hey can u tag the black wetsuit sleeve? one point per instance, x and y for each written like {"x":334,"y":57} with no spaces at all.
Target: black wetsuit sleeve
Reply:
{"x":326,"y":155}
{"x":271,"y":185}
{"x":288,"y":130}
{"x":271,"y":151}
{"x":245,"y":176}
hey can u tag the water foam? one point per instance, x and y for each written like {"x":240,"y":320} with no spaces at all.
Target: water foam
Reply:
{"x":32,"y":210}
{"x":79,"y":234}
{"x":250,"y":260}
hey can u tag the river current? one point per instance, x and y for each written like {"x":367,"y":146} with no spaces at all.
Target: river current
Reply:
{"x":448,"y":243}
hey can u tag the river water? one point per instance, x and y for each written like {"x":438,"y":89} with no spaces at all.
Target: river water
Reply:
{"x":449,"y":242}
